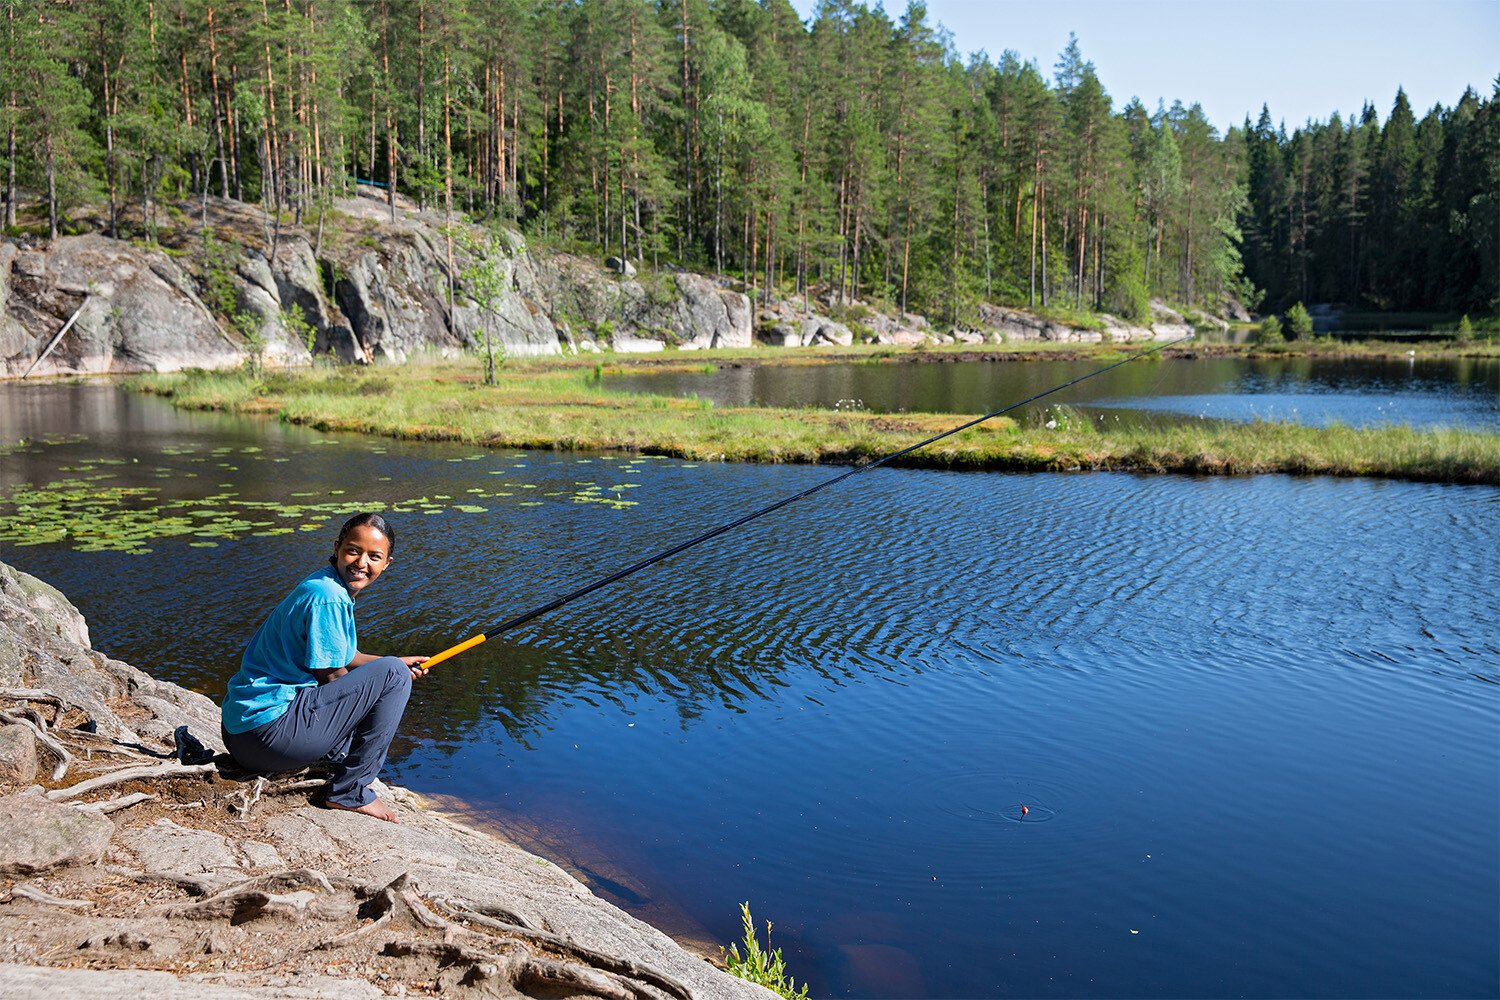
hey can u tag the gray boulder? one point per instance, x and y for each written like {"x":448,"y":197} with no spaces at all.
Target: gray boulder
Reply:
{"x":620,"y":266}
{"x":299,"y":287}
{"x":38,"y":835}
{"x":816,"y":330}
{"x":782,"y":334}
{"x":17,"y":756}
{"x":50,"y":608}
{"x":637,"y":345}
{"x":15,"y":341}
{"x":705,"y":315}
{"x":44,"y":643}
{"x":1167,"y":323}
{"x":139,"y":311}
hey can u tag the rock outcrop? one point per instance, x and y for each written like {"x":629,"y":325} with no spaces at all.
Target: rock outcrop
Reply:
{"x":131,"y":871}
{"x":136,"y":310}
{"x":365,"y":287}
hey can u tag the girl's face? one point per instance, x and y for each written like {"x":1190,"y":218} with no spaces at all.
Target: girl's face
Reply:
{"x":360,"y":557}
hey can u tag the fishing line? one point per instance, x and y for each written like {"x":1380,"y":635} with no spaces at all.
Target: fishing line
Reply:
{"x":573,"y":595}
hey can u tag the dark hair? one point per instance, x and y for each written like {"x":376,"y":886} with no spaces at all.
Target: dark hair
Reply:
{"x":375,"y":521}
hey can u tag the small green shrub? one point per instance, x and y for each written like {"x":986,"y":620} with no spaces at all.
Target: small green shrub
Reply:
{"x":1298,"y":322}
{"x":1269,"y":331}
{"x":294,"y":322}
{"x":220,"y":259}
{"x":255,"y":343}
{"x":761,"y":966}
{"x":1465,"y":332}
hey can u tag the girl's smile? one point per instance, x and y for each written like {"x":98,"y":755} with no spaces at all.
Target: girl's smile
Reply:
{"x":360,"y":557}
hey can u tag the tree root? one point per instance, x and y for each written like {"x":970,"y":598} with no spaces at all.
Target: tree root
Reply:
{"x":33,"y":694}
{"x":569,"y":949}
{"x":298,"y":786}
{"x":191,"y":884}
{"x":581,"y":968}
{"x":125,"y":774}
{"x":257,"y":897}
{"x":115,"y":804}
{"x":516,"y":967}
{"x":31,"y":892}
{"x":39,"y":730}
{"x":242,"y":800}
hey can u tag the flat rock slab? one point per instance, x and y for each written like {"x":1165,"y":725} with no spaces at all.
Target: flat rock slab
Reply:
{"x":37,"y":835}
{"x":166,"y":849}
{"x":25,"y":982}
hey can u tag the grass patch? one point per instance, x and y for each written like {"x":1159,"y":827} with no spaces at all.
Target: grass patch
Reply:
{"x":762,"y":966}
{"x":564,"y":406}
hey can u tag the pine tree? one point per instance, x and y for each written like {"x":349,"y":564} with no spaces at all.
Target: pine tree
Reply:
{"x":52,"y":108}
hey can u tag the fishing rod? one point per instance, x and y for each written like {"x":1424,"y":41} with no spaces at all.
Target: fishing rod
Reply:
{"x":573,"y":595}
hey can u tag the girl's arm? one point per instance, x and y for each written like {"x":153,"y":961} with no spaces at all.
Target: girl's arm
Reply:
{"x":360,"y":659}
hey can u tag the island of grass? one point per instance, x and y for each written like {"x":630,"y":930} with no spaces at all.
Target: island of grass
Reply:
{"x":563,"y":404}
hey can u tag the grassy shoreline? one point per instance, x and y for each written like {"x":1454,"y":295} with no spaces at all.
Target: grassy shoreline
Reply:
{"x":559,"y":404}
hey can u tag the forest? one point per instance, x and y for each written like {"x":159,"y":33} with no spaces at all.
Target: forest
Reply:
{"x":854,"y":155}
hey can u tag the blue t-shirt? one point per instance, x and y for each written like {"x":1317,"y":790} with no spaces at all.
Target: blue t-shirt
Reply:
{"x":312,"y":629}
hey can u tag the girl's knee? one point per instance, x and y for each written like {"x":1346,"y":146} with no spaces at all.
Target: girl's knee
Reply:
{"x":398,"y":674}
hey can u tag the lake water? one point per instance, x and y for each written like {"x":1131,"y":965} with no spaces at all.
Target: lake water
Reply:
{"x":1463,"y":392}
{"x":1255,"y":721}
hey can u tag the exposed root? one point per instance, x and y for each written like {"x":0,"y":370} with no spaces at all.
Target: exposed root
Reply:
{"x":298,"y":786}
{"x":31,"y":892}
{"x":242,"y":800}
{"x":115,"y":804}
{"x":255,"y":897}
{"x":125,"y":774}
{"x":514,"y":967}
{"x":193,"y":885}
{"x":570,"y":949}
{"x":33,"y":694}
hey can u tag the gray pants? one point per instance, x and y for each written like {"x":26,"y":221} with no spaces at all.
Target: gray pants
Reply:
{"x":348,"y":722}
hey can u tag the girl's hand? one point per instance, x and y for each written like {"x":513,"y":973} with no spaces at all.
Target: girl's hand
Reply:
{"x":414,"y":663}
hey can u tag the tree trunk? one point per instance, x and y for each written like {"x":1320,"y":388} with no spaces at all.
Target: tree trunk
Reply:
{"x":10,"y":132}
{"x":51,"y":189}
{"x":689,"y":119}
{"x":448,"y":173}
{"x":109,"y":139}
{"x":213,"y":77}
{"x":421,"y":96}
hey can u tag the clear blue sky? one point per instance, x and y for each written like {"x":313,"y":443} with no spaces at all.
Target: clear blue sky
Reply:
{"x":1304,"y":58}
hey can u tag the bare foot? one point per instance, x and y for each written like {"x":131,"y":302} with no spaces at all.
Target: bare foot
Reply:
{"x":375,"y":808}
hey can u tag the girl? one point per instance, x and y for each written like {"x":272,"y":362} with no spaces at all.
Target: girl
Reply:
{"x":304,"y":692}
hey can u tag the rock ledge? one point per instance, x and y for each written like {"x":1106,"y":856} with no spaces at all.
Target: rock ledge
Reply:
{"x":125,"y":873}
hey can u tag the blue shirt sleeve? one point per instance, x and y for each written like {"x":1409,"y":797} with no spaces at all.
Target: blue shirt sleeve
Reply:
{"x":330,"y":636}
{"x":312,"y":629}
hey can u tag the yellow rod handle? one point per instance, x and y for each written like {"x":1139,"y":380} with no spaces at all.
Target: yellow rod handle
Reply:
{"x":433,"y":661}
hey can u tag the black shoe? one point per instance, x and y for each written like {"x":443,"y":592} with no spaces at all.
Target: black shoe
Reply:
{"x":190,"y":750}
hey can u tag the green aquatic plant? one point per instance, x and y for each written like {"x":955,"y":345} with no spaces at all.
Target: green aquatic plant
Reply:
{"x":83,"y":510}
{"x":758,"y":965}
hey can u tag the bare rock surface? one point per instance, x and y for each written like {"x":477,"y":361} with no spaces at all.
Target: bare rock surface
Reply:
{"x":367,"y":285}
{"x":136,"y":311}
{"x":130,"y":873}
{"x":37,"y":835}
{"x":17,"y":755}
{"x":133,"y":984}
